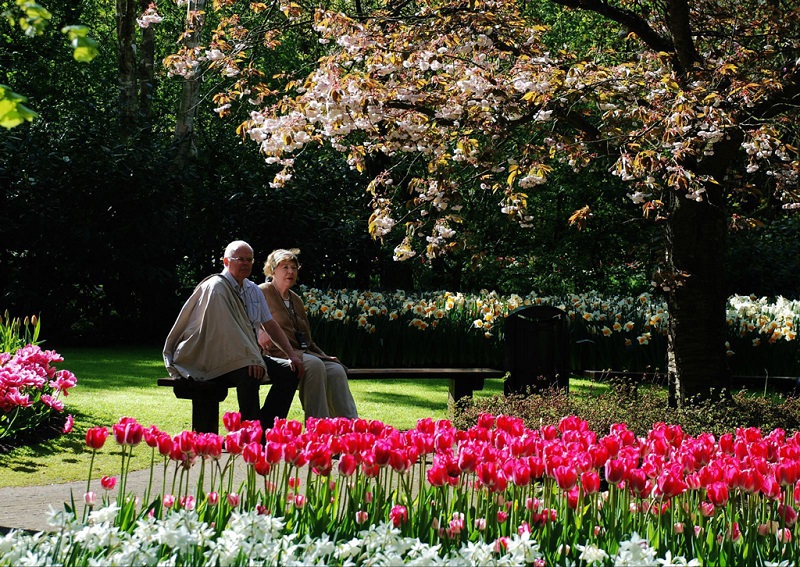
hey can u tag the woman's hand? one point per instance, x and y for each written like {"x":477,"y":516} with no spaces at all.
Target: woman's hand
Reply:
{"x":264,"y":340}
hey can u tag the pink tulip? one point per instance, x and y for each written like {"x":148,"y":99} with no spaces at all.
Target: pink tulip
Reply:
{"x":108,"y":482}
{"x":233,"y":499}
{"x":787,"y":514}
{"x":361,"y":517}
{"x":213,"y":498}
{"x":90,"y":498}
{"x":169,"y":501}
{"x":670,"y":485}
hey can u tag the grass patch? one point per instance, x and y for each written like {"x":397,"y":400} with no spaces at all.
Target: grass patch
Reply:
{"x":117,"y":382}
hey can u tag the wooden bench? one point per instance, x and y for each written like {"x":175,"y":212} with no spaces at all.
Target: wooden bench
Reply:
{"x":463,"y":381}
{"x":206,"y":396}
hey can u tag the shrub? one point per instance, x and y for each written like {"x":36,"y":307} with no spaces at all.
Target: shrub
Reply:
{"x":639,"y":407}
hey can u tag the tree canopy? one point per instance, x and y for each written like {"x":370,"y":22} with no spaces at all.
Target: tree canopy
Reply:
{"x":694,"y":105}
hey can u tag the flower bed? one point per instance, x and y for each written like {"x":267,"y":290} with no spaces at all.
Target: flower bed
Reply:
{"x":614,"y":333}
{"x":354,"y":492}
{"x":30,"y":386}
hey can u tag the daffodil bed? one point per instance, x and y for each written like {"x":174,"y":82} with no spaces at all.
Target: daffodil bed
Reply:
{"x":443,"y":328}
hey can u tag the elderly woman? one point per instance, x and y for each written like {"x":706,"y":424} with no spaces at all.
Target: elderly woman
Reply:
{"x":323,"y":388}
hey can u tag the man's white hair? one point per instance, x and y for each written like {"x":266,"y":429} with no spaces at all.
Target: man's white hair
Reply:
{"x":234,"y":246}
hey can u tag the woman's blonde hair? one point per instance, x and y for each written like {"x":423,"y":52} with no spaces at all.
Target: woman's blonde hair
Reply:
{"x":280,"y":255}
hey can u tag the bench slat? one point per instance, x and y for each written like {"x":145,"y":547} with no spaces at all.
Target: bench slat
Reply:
{"x":424,"y":373}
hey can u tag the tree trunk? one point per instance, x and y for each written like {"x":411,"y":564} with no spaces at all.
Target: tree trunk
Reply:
{"x":126,"y":56}
{"x":183,"y":139}
{"x":696,"y":237}
{"x":695,"y":249}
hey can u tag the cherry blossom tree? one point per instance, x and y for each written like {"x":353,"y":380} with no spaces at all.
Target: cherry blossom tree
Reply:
{"x":694,"y":104}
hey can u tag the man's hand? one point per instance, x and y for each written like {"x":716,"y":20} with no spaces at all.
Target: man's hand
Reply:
{"x":296,"y":364}
{"x":255,"y":371}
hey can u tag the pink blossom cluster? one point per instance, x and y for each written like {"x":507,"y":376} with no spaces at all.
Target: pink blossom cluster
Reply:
{"x":28,"y":376}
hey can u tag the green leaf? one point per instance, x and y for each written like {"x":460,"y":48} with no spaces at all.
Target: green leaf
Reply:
{"x":12,"y":111}
{"x":35,"y":17}
{"x":85,"y":49}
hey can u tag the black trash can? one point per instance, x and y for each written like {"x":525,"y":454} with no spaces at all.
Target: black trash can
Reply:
{"x":536,"y":349}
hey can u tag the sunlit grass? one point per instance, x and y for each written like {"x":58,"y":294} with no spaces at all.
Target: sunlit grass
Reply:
{"x":117,"y":382}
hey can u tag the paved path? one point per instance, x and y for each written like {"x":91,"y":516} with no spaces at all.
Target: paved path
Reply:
{"x":27,"y":507}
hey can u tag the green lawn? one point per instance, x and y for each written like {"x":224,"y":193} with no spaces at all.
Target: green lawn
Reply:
{"x":117,"y":382}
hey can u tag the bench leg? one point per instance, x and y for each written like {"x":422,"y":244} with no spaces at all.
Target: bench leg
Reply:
{"x":205,"y":415}
{"x":463,"y":388}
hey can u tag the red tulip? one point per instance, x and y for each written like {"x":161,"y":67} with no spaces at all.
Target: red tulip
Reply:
{"x":669,"y":484}
{"x":398,"y":515}
{"x":718,"y":494}
{"x":232,"y":420}
{"x":521,"y":474}
{"x":590,"y":481}
{"x":615,"y":470}
{"x":208,"y":445}
{"x":566,"y":477}
{"x":164,"y":443}
{"x":437,"y":475}
{"x":639,"y":483}
{"x":151,"y":436}
{"x":262,"y":466}
{"x":252,"y":452}
{"x":572,"y":497}
{"x":383,"y":451}
{"x":787,"y":473}
{"x":787,"y":514}
{"x":108,"y":482}
{"x":184,"y":442}
{"x":128,"y":432}
{"x":233,"y":442}
{"x":96,"y":437}
{"x":467,"y":458}
{"x":347,"y":464}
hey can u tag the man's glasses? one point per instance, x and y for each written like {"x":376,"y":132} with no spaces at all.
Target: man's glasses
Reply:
{"x":241,"y":259}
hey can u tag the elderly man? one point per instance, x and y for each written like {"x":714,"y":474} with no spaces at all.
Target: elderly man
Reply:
{"x":217,"y":337}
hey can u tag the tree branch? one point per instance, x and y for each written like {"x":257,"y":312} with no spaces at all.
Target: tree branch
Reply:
{"x":629,"y":20}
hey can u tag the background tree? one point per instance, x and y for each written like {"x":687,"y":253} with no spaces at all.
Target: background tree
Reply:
{"x":690,"y":103}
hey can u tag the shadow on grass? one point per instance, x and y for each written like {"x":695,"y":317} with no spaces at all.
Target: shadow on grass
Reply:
{"x":428,"y":393}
